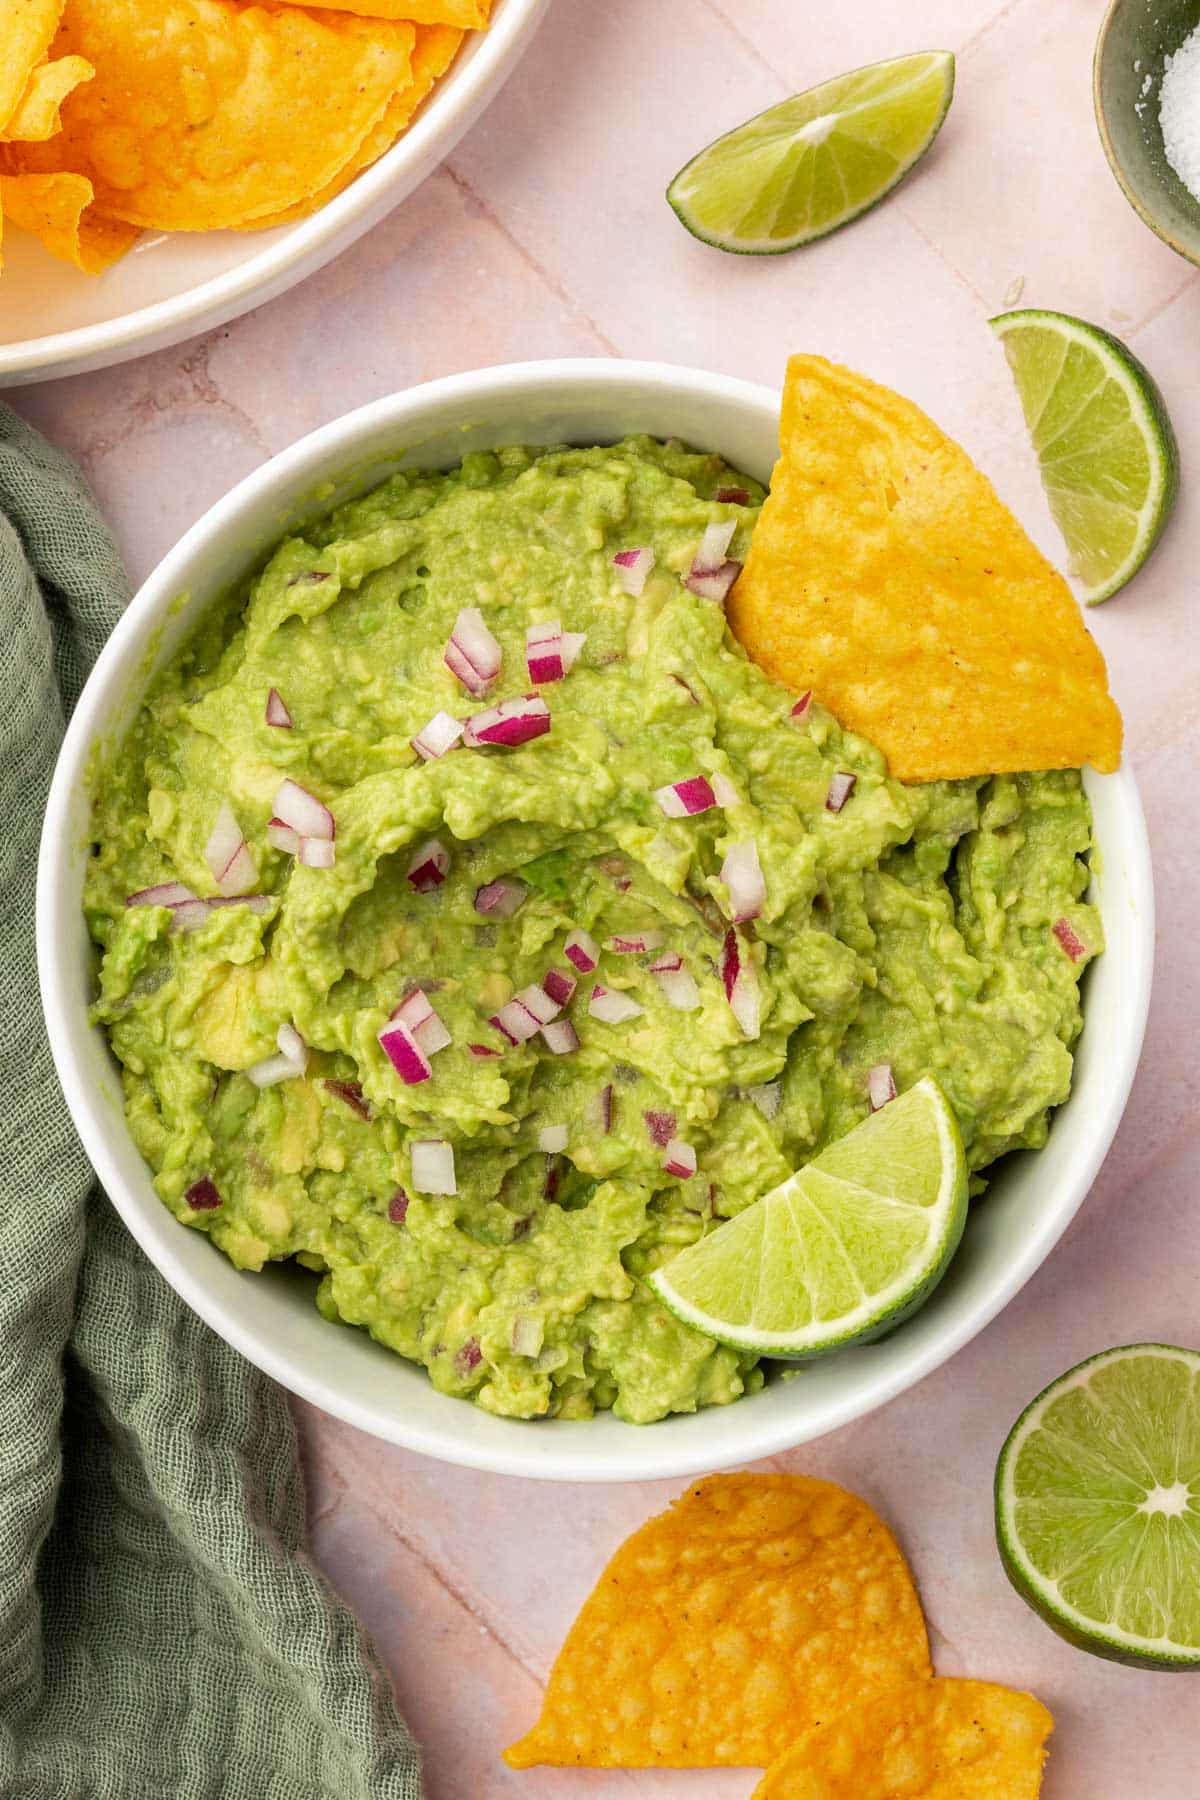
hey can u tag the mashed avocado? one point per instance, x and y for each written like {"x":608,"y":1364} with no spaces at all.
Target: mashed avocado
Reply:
{"x":915,"y":930}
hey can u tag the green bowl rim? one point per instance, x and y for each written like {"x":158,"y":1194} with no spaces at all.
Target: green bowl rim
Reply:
{"x":1134,"y":199}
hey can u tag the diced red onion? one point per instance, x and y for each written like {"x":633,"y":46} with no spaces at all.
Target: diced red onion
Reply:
{"x":741,"y":985}
{"x":606,"y":1106}
{"x":678,"y":986}
{"x":441,"y":734}
{"x":544,"y":652}
{"x":537,"y":1001}
{"x":1070,"y":940}
{"x":351,"y":1094}
{"x":802,"y":708}
{"x":636,"y":943}
{"x":429,"y":866}
{"x":272,"y":1069}
{"x":561,"y":1037}
{"x":526,"y":1334}
{"x":732,"y":496}
{"x":202,"y":1196}
{"x":572,"y":644}
{"x":667,"y":964}
{"x":469,"y":1356}
{"x":400,"y":1046}
{"x":713,"y":584}
{"x":724,"y":791}
{"x":500,"y":899}
{"x":559,"y":985}
{"x":473,"y":654}
{"x":277,"y":712}
{"x":511,"y":723}
{"x":484,"y":1049}
{"x":228,"y":855}
{"x":712,"y":574}
{"x":661,"y":1126}
{"x":426,"y":1025}
{"x":742,"y":874}
{"x":398,"y":1207}
{"x":682,"y":799}
{"x":167,"y":893}
{"x":316,"y":853}
{"x":190,"y":915}
{"x":612,"y":1008}
{"x":293,"y":1046}
{"x":582,"y":950}
{"x":768,"y":1097}
{"x":840,"y":789}
{"x":306,"y":815}
{"x":255,"y":903}
{"x":718,"y":536}
{"x":552,"y":1139}
{"x":881,"y":1085}
{"x":284,"y":837}
{"x":516,"y":1022}
{"x":679,"y":1159}
{"x":633,"y":566}
{"x":433,"y":1169}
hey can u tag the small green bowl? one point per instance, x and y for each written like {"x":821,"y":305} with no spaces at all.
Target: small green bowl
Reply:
{"x":1135,"y":39}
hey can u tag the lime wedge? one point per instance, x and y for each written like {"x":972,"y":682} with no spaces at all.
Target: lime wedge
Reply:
{"x":1109,"y":461}
{"x":1098,"y":1506}
{"x":844,"y":1249}
{"x":816,"y":161}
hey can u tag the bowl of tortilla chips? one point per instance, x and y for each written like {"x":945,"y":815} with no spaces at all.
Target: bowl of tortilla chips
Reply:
{"x":165,"y":168}
{"x":931,"y":535}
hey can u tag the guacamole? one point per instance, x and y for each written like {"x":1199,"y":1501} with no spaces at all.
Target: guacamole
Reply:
{"x":337,"y":969}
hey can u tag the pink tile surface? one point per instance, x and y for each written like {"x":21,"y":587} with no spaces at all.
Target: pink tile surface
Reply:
{"x":547,"y":235}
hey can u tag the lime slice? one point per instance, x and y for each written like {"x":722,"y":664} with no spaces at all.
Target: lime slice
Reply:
{"x":816,"y":161}
{"x":1098,"y":1506}
{"x":844,"y":1249}
{"x":1109,"y":461}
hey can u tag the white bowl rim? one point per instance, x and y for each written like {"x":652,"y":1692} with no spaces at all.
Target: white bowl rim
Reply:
{"x":443,"y":118}
{"x":650,"y":1454}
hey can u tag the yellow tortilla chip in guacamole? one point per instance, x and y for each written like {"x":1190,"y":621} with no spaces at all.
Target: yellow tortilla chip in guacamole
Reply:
{"x":927,"y":1740}
{"x":886,"y":576}
{"x":757,"y":1606}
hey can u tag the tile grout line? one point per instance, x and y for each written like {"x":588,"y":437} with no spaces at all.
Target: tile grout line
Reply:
{"x":553,"y":286}
{"x":748,"y":44}
{"x":1163,"y":306}
{"x":977,"y":37}
{"x":932,"y":244}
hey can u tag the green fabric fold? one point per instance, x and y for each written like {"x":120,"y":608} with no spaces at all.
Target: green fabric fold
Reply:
{"x":162,"y":1632}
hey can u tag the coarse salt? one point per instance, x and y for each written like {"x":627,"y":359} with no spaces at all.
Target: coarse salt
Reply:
{"x":1179,"y":112}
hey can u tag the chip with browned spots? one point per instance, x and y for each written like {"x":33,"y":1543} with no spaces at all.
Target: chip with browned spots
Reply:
{"x":756,"y":1607}
{"x":886,"y":576}
{"x":926,"y":1740}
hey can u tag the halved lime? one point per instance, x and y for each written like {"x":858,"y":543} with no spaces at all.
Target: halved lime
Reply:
{"x":1098,"y":1506}
{"x":1109,"y":461}
{"x":816,"y":161}
{"x":844,"y":1249}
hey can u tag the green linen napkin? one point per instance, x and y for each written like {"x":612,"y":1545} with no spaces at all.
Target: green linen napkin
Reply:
{"x":162,"y":1634}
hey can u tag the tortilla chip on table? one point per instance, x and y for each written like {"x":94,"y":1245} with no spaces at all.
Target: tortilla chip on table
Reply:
{"x":886,"y":576}
{"x":926,"y":1740}
{"x":756,"y":1606}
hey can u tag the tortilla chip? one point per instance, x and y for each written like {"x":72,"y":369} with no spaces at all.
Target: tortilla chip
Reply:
{"x":207,"y":113}
{"x":434,"y":50}
{"x":27,"y":30}
{"x":928,"y":1740}
{"x":38,"y":113}
{"x":58,"y":210}
{"x":758,"y":1605}
{"x":886,"y":575}
{"x":465,"y":15}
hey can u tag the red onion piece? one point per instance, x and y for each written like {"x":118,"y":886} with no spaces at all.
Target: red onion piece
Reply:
{"x":537,"y":1001}
{"x":678,"y":987}
{"x":606,"y":1106}
{"x":710,"y":552}
{"x":398,"y":1043}
{"x":661,"y":1126}
{"x":306,"y":815}
{"x":612,"y":1008}
{"x":429,"y":866}
{"x":724,"y":791}
{"x":559,"y":985}
{"x":501,"y":899}
{"x":255,"y":903}
{"x":732,"y":496}
{"x":426,"y":1025}
{"x":351,"y":1094}
{"x":516,"y":1022}
{"x":582,"y":950}
{"x":1071,"y":942}
{"x":470,"y":1355}
{"x":283,"y":837}
{"x":636,"y":943}
{"x":881,"y":1086}
{"x":802,"y":708}
{"x":667,"y":963}
{"x":679,"y":1159}
{"x":561,"y":1037}
{"x":277,"y":712}
{"x":552,"y":1139}
{"x":742,"y":874}
{"x":316,"y":853}
{"x":526,"y":1334}
{"x":190,"y":915}
{"x":441,"y":734}
{"x":228,"y":855}
{"x":633,"y":566}
{"x":433,"y":1171}
{"x":398,"y":1207}
{"x":572,"y":644}
{"x":768,"y":1097}
{"x":840,"y":789}
{"x":511,"y":723}
{"x":293,"y":1046}
{"x":741,"y":985}
{"x":713,"y":584}
{"x":273,"y":1069}
{"x":544,"y":652}
{"x":167,"y":893}
{"x":484,"y":1049}
{"x":682,"y":799}
{"x":202,"y":1196}
{"x":473,"y":654}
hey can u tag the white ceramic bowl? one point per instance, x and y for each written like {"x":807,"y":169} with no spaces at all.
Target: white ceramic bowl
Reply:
{"x":56,"y":321}
{"x":271,"y":1317}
